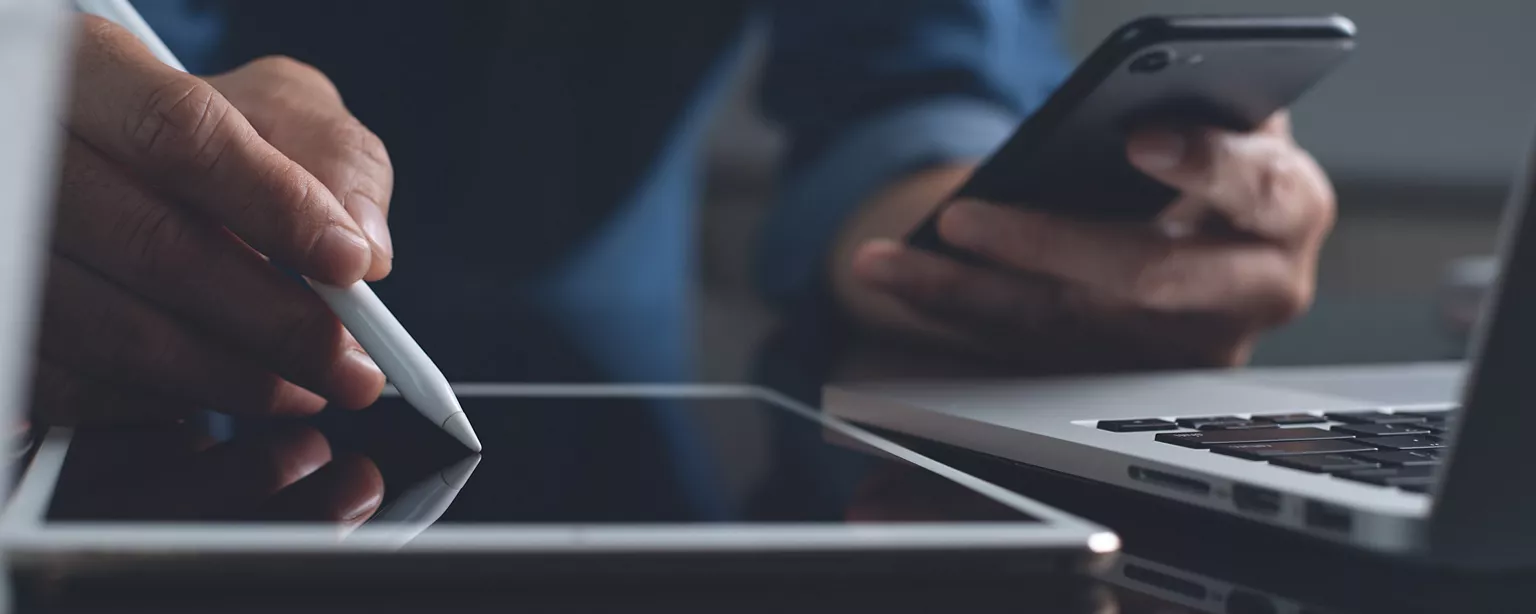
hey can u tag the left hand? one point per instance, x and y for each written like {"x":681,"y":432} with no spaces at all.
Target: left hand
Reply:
{"x":1234,"y":256}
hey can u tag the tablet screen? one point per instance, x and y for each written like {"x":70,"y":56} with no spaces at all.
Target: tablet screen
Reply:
{"x":547,"y":460}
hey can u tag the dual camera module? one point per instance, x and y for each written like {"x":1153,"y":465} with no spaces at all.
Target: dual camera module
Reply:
{"x":1157,"y":60}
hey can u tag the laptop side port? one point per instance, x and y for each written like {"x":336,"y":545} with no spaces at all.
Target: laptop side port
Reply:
{"x":1169,"y":480}
{"x":1165,"y":581}
{"x":1328,"y":517}
{"x":1255,"y":500}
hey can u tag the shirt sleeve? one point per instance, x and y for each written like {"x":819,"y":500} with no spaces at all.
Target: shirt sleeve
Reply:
{"x":192,"y":30}
{"x":869,"y":90}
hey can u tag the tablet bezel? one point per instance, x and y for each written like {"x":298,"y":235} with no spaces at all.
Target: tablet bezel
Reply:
{"x":30,"y":537}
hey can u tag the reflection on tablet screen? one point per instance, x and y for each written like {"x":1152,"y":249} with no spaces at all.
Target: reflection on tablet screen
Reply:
{"x":560,"y":460}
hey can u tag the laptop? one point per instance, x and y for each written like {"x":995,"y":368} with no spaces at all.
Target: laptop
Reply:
{"x":1419,"y":460}
{"x":31,"y":61}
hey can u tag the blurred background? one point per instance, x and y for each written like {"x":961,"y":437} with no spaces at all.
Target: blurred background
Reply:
{"x":1421,"y":132}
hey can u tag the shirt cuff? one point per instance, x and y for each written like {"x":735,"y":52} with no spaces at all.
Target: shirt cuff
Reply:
{"x":798,"y":234}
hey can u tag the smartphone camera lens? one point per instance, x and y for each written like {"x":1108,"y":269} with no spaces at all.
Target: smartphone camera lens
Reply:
{"x":1152,"y":61}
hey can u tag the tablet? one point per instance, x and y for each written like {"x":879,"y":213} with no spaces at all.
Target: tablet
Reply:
{"x":628,"y":479}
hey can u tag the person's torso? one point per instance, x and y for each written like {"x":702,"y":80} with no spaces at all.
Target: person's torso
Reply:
{"x":543,"y":148}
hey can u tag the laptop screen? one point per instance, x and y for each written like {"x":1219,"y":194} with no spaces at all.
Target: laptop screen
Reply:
{"x":546,"y":461}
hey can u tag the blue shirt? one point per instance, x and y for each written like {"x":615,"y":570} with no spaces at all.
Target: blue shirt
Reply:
{"x":866,"y":90}
{"x":547,"y":156}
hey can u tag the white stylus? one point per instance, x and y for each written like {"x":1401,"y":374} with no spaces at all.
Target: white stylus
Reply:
{"x":403,"y":361}
{"x":421,"y":505}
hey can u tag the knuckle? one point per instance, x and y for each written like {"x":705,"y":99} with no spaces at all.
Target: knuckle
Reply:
{"x":291,"y":68}
{"x":1281,"y":292}
{"x":153,"y":241}
{"x":183,"y":122}
{"x":281,"y":64}
{"x":358,"y":141}
{"x":1273,"y":179}
{"x":1291,"y":302}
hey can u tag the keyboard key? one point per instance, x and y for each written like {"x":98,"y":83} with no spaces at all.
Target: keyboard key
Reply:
{"x":1378,"y":430}
{"x":1291,"y":419}
{"x":1323,"y":463}
{"x":1402,"y":458}
{"x":1392,"y":476}
{"x":1409,"y":442}
{"x":1268,"y":450}
{"x":1134,"y":426}
{"x":1371,"y":417}
{"x":1216,"y":423}
{"x":1206,"y":439}
{"x":1416,"y":487}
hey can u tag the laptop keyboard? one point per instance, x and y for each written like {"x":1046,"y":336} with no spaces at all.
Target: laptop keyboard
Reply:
{"x":1399,"y":449}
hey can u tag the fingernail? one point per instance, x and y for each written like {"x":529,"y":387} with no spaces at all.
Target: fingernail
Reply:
{"x":966,"y":224}
{"x":882,"y":269}
{"x":358,"y":360}
{"x":362,"y":507}
{"x":375,"y":225}
{"x":1157,"y":151}
{"x":342,"y":252}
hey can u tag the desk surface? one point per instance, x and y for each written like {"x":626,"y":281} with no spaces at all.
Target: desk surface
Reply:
{"x":1176,"y":560}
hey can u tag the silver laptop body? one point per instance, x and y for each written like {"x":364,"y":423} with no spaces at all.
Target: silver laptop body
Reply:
{"x":1471,"y":504}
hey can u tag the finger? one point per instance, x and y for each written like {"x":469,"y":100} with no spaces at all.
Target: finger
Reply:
{"x":961,"y":306}
{"x":198,"y":273}
{"x":231,"y":479}
{"x":351,"y":161}
{"x":954,"y":291}
{"x":110,"y":451}
{"x":236,"y":478}
{"x":93,"y":326}
{"x":1132,"y":263}
{"x":321,"y":135}
{"x":1046,"y":327}
{"x":65,"y":397}
{"x":181,"y":133}
{"x":348,"y":490}
{"x":1260,"y":183}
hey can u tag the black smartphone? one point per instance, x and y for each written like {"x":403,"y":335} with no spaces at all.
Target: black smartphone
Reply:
{"x":1225,"y":71}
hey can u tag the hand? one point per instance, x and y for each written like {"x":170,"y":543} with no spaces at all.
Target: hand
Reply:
{"x":1235,"y":255}
{"x":178,"y":195}
{"x":175,"y":472}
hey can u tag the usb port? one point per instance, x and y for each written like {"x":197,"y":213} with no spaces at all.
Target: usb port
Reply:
{"x":1169,"y":480}
{"x":1255,"y":500}
{"x":1328,"y":517}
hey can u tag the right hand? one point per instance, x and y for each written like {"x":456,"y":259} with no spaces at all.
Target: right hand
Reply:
{"x":177,"y":472}
{"x":178,"y":196}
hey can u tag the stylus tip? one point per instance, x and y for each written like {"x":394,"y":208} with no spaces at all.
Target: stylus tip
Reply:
{"x":457,"y":475}
{"x":458,"y":426}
